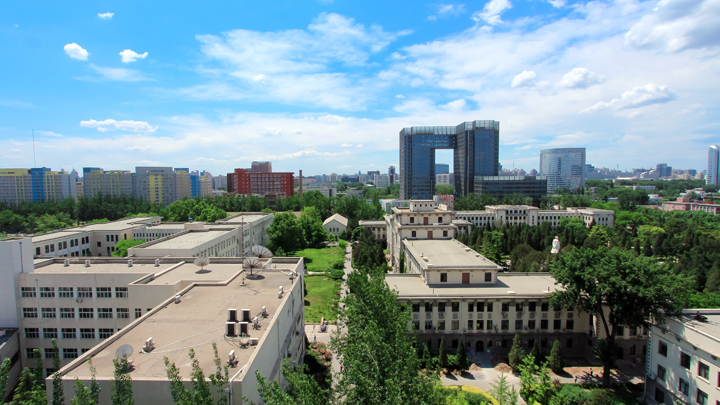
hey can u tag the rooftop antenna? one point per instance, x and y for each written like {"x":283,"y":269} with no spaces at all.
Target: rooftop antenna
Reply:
{"x":34,"y":156}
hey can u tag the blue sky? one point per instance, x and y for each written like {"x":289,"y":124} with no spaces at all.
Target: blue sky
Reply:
{"x":325,"y":86}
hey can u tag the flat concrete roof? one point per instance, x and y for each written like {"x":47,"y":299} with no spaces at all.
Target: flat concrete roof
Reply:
{"x":189,"y":240}
{"x":447,"y":254}
{"x":240,"y":218}
{"x":508,"y":286}
{"x":196,"y":322}
{"x":118,"y":265}
{"x":710,"y":327}
{"x":9,"y":333}
{"x":167,"y":225}
{"x":58,"y":235}
{"x":214,"y":272}
{"x":117,"y":225}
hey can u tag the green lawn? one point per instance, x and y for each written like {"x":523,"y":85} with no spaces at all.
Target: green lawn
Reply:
{"x":321,"y":299}
{"x":321,"y":259}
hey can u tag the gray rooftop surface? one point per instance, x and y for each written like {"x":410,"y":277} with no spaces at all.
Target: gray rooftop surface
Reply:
{"x":188,"y":272}
{"x":189,"y":240}
{"x":508,"y":285}
{"x":196,"y":322}
{"x":58,"y":235}
{"x":443,"y":254}
{"x":240,"y":218}
{"x":711,"y":327}
{"x":119,"y":265}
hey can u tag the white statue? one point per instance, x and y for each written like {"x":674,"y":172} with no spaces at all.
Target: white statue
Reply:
{"x":556,"y":246}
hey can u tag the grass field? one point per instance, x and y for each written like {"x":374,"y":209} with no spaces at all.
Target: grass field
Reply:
{"x":321,"y":299}
{"x":321,"y":259}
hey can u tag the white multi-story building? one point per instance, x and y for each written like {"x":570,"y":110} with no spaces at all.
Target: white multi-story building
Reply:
{"x":682,"y":364}
{"x":381,"y":180}
{"x":713,"y":165}
{"x":529,"y":215}
{"x":564,"y":169}
{"x":326,"y":190}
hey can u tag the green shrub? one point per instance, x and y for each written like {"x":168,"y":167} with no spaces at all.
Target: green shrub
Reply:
{"x":343,"y":244}
{"x":337,"y":274}
{"x":339,"y":265}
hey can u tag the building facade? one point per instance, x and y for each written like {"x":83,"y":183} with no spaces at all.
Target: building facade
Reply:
{"x":244,"y":182}
{"x":37,"y":185}
{"x":335,"y":224}
{"x":475,"y":145}
{"x":113,"y":183}
{"x":564,"y":169}
{"x":532,"y":216}
{"x":534,"y":187}
{"x":261,"y":167}
{"x":685,"y":204}
{"x":713,"y":165}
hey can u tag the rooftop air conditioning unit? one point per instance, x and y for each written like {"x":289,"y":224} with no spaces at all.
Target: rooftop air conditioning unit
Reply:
{"x":243,"y":329}
{"x":87,"y":263}
{"x":230,"y":329}
{"x":232,"y":315}
{"x":177,"y":299}
{"x":66,"y":263}
{"x":130,"y":263}
{"x":231,"y":356}
{"x":253,"y":341}
{"x":246,"y":315}
{"x":256,"y":322}
{"x":264,"y":311}
{"x":149,"y":344}
{"x":157,"y":262}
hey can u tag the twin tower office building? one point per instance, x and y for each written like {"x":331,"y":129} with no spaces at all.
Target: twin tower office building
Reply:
{"x":475,"y":146}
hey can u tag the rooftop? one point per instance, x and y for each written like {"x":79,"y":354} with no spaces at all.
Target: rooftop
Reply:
{"x":196,"y":322}
{"x":101,"y":265}
{"x":336,"y":217}
{"x":703,"y":333}
{"x":447,"y":254}
{"x":244,"y":217}
{"x":188,"y":240}
{"x":56,"y":235}
{"x":508,"y":285}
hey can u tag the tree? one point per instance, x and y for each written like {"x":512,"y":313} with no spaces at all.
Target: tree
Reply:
{"x":220,"y":377}
{"x":286,"y":233}
{"x":4,"y":374}
{"x":516,"y":354}
{"x":535,"y":352}
{"x":122,"y":247}
{"x":462,"y":357}
{"x":122,"y":389}
{"x":442,"y":354}
{"x":302,"y":388}
{"x":27,"y":391}
{"x":84,"y":395}
{"x":39,"y":370}
{"x":535,"y":382}
{"x":556,"y":362}
{"x":312,"y":227}
{"x":504,"y":392}
{"x":58,"y":396}
{"x":618,"y":287}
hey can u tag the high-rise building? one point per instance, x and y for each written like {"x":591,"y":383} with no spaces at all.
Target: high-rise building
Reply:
{"x":110,"y":183}
{"x":261,"y":167}
{"x":86,"y":173}
{"x":442,"y":168}
{"x":15,"y":186}
{"x":391,"y":174}
{"x":564,"y":169}
{"x":475,"y":145}
{"x":663,"y":170}
{"x":156,"y":184}
{"x":711,"y":177}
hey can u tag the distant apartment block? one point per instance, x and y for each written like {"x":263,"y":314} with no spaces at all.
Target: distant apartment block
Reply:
{"x":381,"y":180}
{"x":36,"y":184}
{"x":113,"y":183}
{"x":564,"y":169}
{"x":261,"y":167}
{"x":245,"y":182}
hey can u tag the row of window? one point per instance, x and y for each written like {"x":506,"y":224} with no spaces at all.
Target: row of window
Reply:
{"x":62,"y":245}
{"x":50,"y":353}
{"x":480,"y":325}
{"x":69,"y":292}
{"x":82,"y":313}
{"x":703,"y":371}
{"x":68,"y":333}
{"x":482,"y":306}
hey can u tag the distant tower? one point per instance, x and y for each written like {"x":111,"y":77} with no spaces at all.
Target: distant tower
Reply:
{"x":391,"y":174}
{"x":711,"y":177}
{"x":300,"y":181}
{"x":564,"y":168}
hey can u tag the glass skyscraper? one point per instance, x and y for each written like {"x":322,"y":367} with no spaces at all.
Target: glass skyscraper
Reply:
{"x":711,"y":176}
{"x":475,"y":148}
{"x":564,"y":169}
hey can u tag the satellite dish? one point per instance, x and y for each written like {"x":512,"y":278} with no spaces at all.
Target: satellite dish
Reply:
{"x":262,"y":252}
{"x":252,"y":263}
{"x":124,"y":351}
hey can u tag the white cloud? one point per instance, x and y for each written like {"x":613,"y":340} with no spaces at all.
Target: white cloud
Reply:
{"x":638,"y":97}
{"x":132,"y":126}
{"x":136,"y":147}
{"x":119,"y":74}
{"x":675,"y":25}
{"x":106,"y":16}
{"x":259,"y":78}
{"x":557,"y":3}
{"x":75,"y":51}
{"x":491,"y":12}
{"x":346,"y":145}
{"x":128,"y":56}
{"x":399,"y":96}
{"x":447,"y":10}
{"x":50,"y":134}
{"x":524,"y":79}
{"x":579,"y":78}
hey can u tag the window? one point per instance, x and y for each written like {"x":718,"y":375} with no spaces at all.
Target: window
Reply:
{"x":105,"y":333}
{"x":37,"y":251}
{"x":48,"y":313}
{"x":505,"y":325}
{"x":69,"y":333}
{"x":103,"y":292}
{"x":702,"y":397}
{"x":632,"y":350}
{"x":104,"y":313}
{"x":47,"y":292}
{"x":519,"y":307}
{"x":518,"y":324}
{"x":455,"y":306}
{"x":488,"y":276}
{"x":570,"y":324}
{"x":480,"y":325}
{"x":544,"y":324}
{"x":441,"y":307}
{"x":662,"y":348}
{"x":65,"y":292}
{"x":67,"y":313}
{"x":661,"y":372}
{"x":545,"y":306}
{"x":443,"y":277}
{"x":481,"y":307}
{"x":441,"y":325}
{"x":428,"y":325}
{"x":86,"y":333}
{"x":505,"y":306}
{"x":531,"y":325}
{"x":50,"y":333}
{"x":84,"y":292}
{"x":557,"y":324}
{"x":703,"y":370}
{"x":428,"y":307}
{"x":659,"y":396}
{"x":415,"y":308}
{"x":683,"y":386}
{"x":455,"y":325}
{"x":412,"y":221}
{"x":489,"y":324}
{"x":445,"y":234}
{"x":123,"y":313}
{"x":413,"y":234}
{"x":490,"y":307}
{"x":85,"y":313}
{"x":70,"y":353}
{"x":471,"y":307}
{"x":28,"y":292}
{"x":32,"y":333}
{"x":29,"y":353}
{"x":30,"y":313}
{"x":531,"y":306}
{"x":685,"y":360}
{"x":469,"y":325}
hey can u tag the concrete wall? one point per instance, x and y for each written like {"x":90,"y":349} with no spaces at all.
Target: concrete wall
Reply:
{"x":17,"y":258}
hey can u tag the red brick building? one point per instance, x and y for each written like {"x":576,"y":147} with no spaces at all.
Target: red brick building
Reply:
{"x":684,"y":204}
{"x":242,"y":181}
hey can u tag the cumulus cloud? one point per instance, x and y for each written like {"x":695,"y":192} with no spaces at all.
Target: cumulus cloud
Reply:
{"x":524,"y":79}
{"x":75,"y":51}
{"x":579,"y":78}
{"x":557,"y":3}
{"x":131,"y":126}
{"x":491,"y":12}
{"x":106,"y":16}
{"x":675,"y":25}
{"x":638,"y":97}
{"x":119,"y":74}
{"x":447,"y":10}
{"x":128,"y":56}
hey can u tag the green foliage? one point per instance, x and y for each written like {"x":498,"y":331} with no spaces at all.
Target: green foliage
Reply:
{"x":312,"y":226}
{"x":122,"y":389}
{"x":39,"y":370}
{"x":535,"y":382}
{"x":516,"y":354}
{"x":472,"y":202}
{"x":463,"y":362}
{"x":444,"y":189}
{"x":200,"y":210}
{"x":442,"y":354}
{"x":27,"y":391}
{"x":58,"y":395}
{"x":337,"y":274}
{"x":84,"y":395}
{"x":535,"y":352}
{"x":321,"y":298}
{"x":220,"y":378}
{"x":286,"y":233}
{"x":556,"y":361}
{"x":504,"y":392}
{"x":302,"y":388}
{"x":367,"y":252}
{"x":4,"y":374}
{"x":122,"y":246}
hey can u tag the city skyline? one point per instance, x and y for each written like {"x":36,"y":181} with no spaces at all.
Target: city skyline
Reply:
{"x":326,"y":87}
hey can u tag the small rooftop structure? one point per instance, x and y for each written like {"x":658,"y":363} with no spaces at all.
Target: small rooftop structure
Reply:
{"x":336,"y":217}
